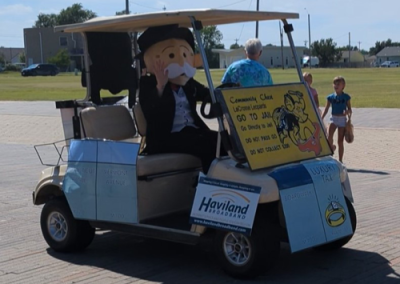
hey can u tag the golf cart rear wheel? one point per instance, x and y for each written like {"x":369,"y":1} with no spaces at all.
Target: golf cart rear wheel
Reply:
{"x":61,"y":230}
{"x":341,"y":242}
{"x":243,"y":256}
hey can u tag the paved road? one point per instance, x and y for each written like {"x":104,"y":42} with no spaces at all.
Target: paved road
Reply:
{"x":372,"y":256}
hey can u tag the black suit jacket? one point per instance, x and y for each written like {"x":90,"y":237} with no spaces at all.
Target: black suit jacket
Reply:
{"x":160,"y":111}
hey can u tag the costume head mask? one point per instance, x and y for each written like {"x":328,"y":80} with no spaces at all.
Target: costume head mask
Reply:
{"x":174,"y":47}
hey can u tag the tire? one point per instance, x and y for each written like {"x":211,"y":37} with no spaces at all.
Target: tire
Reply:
{"x":86,"y":235}
{"x":243,"y":256}
{"x":53,"y":73}
{"x":62,"y":232}
{"x":341,"y":242}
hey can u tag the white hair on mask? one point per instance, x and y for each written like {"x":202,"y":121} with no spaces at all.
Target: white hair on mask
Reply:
{"x":175,"y":70}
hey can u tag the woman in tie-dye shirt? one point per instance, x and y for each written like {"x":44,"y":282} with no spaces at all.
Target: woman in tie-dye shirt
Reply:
{"x":249,"y":72}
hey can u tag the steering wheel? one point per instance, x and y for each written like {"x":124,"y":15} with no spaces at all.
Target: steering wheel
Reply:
{"x":207,"y":100}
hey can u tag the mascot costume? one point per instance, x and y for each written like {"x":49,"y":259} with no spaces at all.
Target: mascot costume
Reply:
{"x":168,"y":95}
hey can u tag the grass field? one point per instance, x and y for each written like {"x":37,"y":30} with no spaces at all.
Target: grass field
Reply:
{"x":369,"y":87}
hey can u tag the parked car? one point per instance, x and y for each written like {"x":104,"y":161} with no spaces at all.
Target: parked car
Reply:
{"x":40,"y":69}
{"x":389,"y":64}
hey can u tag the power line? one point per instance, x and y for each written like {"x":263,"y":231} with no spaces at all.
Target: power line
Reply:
{"x":251,"y":1}
{"x":157,"y":9}
{"x":233,"y":4}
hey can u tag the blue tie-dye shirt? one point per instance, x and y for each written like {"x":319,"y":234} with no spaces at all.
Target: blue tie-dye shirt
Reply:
{"x":248,"y":73}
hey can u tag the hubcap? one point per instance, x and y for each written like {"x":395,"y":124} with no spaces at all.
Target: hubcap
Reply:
{"x":57,"y":226}
{"x":237,"y":248}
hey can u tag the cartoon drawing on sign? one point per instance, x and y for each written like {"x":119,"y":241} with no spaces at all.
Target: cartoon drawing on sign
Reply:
{"x":292,"y":121}
{"x":334,"y":213}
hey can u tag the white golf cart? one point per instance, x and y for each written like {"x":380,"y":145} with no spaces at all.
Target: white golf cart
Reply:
{"x":278,"y":184}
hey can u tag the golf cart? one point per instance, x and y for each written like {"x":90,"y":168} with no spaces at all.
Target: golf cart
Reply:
{"x":278,"y":183}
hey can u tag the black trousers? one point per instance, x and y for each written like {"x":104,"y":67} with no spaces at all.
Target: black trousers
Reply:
{"x":201,"y":143}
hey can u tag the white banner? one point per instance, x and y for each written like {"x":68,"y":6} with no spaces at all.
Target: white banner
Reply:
{"x":225,"y":205}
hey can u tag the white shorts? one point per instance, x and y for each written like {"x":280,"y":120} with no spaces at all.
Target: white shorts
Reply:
{"x":339,"y":121}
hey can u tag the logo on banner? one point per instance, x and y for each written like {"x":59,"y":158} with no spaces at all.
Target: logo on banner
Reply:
{"x":225,"y":202}
{"x":335,"y":215}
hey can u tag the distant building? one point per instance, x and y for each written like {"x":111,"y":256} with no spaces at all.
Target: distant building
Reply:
{"x":11,"y":54}
{"x":371,"y":61}
{"x":271,"y":57}
{"x":43,"y":43}
{"x":390,"y":53}
{"x":352,"y":58}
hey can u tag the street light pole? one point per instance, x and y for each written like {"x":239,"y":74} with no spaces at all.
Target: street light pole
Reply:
{"x":309,"y":36}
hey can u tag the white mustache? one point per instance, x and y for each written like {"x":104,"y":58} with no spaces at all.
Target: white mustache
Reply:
{"x":175,"y":70}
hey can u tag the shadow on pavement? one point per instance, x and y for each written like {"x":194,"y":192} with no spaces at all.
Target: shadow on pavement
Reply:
{"x":368,"y":172}
{"x":166,"y":262}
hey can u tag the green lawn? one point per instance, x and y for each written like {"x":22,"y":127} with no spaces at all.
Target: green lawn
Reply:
{"x":369,"y":87}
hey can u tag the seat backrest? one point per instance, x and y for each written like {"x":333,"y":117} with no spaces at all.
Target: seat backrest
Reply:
{"x":108,"y":122}
{"x":111,"y":65}
{"x":141,"y":123}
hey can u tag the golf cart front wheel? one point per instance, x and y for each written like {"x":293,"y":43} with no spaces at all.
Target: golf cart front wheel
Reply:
{"x":243,"y":256}
{"x":61,"y":230}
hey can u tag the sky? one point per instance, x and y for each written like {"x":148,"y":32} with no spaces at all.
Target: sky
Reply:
{"x":359,"y":22}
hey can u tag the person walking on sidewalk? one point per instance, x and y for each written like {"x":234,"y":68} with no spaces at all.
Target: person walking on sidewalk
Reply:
{"x":309,"y":80}
{"x":341,"y":107}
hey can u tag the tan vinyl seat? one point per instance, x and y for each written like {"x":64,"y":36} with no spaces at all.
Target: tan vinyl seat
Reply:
{"x":160,"y":163}
{"x":108,"y":122}
{"x":116,"y":123}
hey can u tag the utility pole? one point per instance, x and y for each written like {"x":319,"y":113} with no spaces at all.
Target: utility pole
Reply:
{"x":127,"y":7}
{"x":309,"y":37}
{"x":359,"y":46}
{"x":349,"y":49}
{"x":305,"y":43}
{"x":258,"y":8}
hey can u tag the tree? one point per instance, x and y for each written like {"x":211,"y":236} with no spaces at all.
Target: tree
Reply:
{"x":326,"y":51}
{"x":22,"y":57}
{"x":74,"y":14}
{"x":211,"y":38}
{"x":346,"y":48}
{"x":123,"y":12}
{"x":2,"y":59}
{"x":379,"y":45}
{"x":61,"y":59}
{"x":71,"y":15}
{"x":234,"y":46}
{"x":46,"y":21}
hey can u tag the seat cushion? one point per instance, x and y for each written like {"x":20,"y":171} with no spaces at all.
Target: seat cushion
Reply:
{"x":165,"y":163}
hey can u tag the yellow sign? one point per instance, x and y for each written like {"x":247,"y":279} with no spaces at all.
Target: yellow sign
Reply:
{"x":276,"y":124}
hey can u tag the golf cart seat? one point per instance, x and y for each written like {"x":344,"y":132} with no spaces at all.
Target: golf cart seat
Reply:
{"x":180,"y":161}
{"x":115,"y":123}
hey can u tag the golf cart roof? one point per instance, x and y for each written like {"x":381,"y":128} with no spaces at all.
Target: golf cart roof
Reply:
{"x":140,"y":22}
